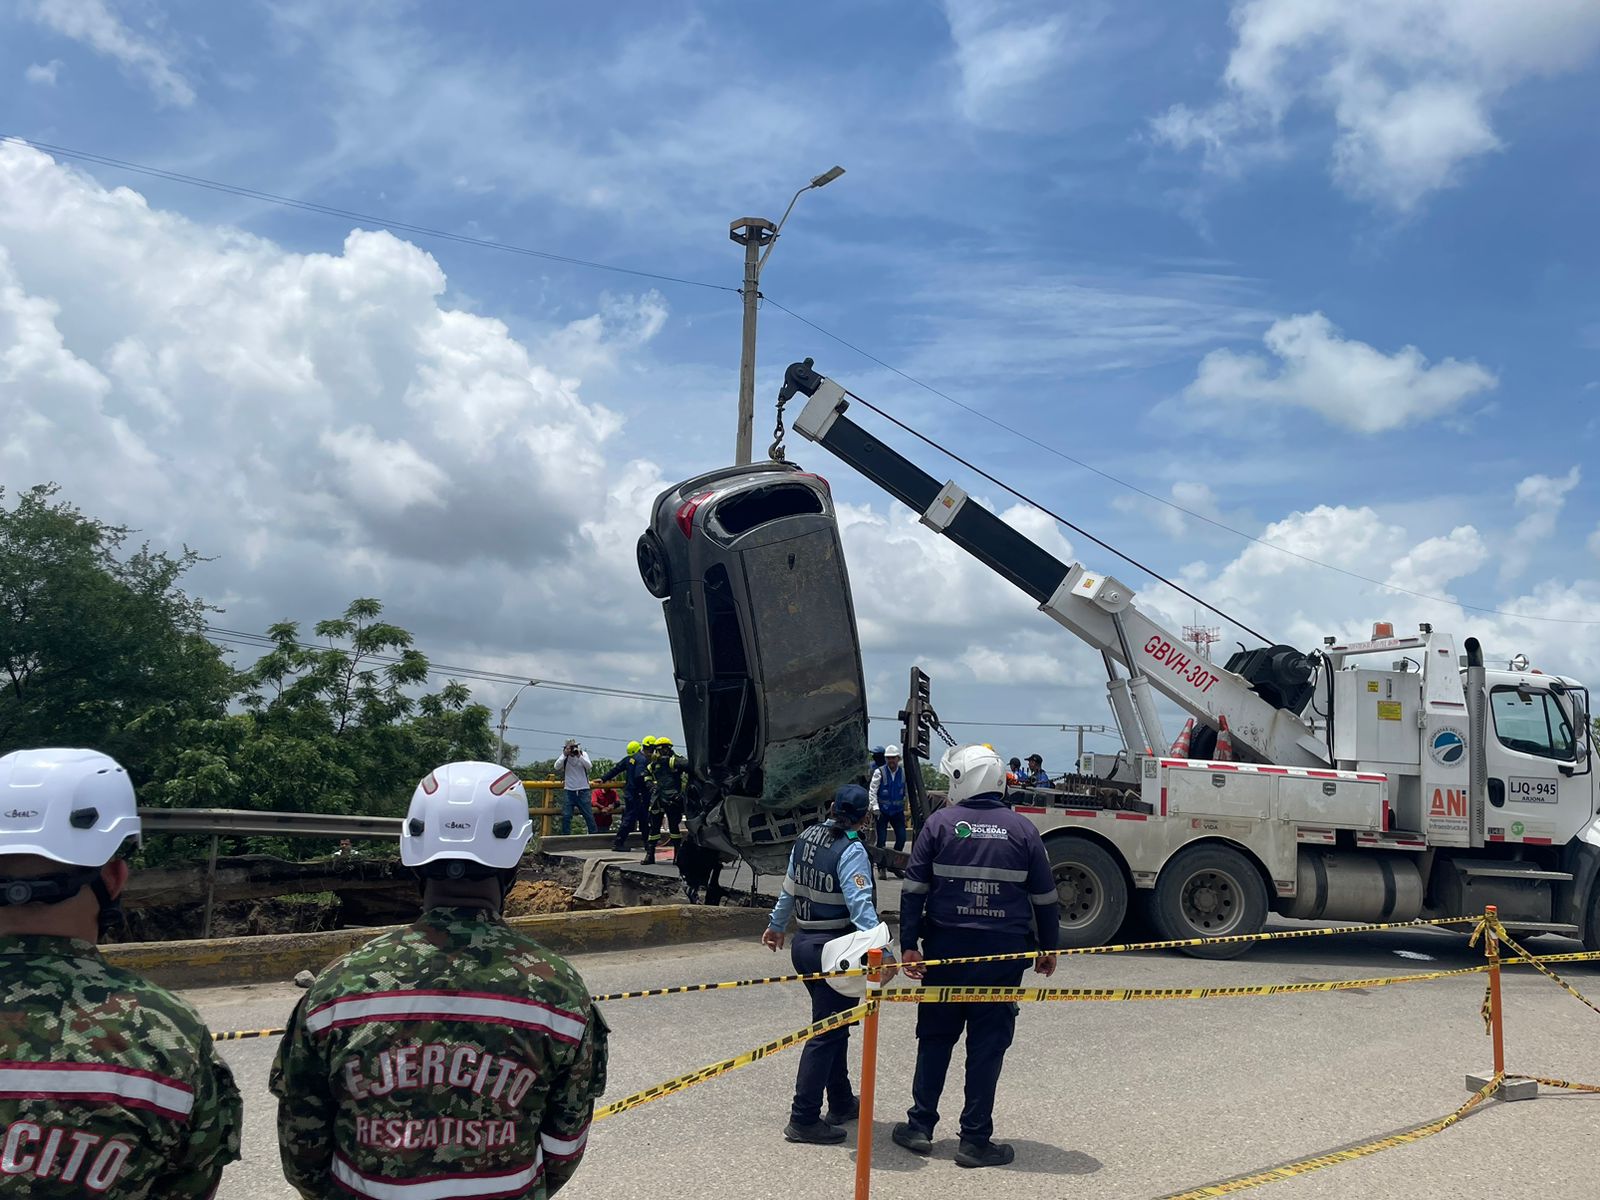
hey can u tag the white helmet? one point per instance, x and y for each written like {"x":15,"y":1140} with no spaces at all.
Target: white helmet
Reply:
{"x":469,"y":810}
{"x":849,"y":952}
{"x":71,"y":806}
{"x":973,"y":771}
{"x":891,"y":751}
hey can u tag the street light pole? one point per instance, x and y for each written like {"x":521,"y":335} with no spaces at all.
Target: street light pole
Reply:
{"x":505,"y":715}
{"x":757,"y":235}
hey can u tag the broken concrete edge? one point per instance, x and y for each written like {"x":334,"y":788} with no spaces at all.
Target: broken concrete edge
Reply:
{"x":278,"y":958}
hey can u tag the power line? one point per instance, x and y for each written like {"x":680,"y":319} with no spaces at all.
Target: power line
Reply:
{"x":328,"y":210}
{"x":1078,"y":529}
{"x":263,"y":641}
{"x":1149,"y":495}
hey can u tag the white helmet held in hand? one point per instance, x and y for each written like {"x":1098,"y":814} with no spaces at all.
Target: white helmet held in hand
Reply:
{"x":973,"y":771}
{"x":849,"y":952}
{"x":475,"y":811}
{"x":72,"y":806}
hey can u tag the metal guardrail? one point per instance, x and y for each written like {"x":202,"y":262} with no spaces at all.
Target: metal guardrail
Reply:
{"x":242,"y":823}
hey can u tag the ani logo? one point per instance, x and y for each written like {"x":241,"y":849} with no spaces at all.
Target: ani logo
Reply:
{"x":1448,"y":747}
{"x":963,"y":830}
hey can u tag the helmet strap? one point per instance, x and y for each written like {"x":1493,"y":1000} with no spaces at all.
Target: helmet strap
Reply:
{"x":111,"y":914}
{"x":52,"y":889}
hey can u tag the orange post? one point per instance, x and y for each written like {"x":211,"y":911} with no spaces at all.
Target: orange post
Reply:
{"x":869,"y":1080}
{"x":1491,"y":950}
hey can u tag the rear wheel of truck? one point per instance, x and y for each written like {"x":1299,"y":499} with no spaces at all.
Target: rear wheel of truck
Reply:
{"x":1210,"y":891}
{"x":1092,"y":891}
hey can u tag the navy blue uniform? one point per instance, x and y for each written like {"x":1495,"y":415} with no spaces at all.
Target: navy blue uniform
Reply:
{"x":829,"y":892}
{"x":979,"y":882}
{"x":635,"y":801}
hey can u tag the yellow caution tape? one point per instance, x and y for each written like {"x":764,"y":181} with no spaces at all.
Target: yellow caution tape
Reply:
{"x":1231,"y":940}
{"x":957,"y":994}
{"x":1305,"y":1166}
{"x":848,"y":1017}
{"x":1558,"y":1083}
{"x":1152,"y":994}
{"x":1500,"y":932}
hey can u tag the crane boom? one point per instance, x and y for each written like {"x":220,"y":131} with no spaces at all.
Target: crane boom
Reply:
{"x":1098,"y":608}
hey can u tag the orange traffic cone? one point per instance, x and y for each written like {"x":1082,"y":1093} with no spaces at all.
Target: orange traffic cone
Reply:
{"x":1224,"y":751}
{"x":1180,"y":748}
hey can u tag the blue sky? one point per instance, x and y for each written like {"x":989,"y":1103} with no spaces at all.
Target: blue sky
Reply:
{"x":1324,"y":273}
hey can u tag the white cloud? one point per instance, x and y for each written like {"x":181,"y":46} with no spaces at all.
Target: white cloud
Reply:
{"x":1540,"y":498}
{"x":1001,"y":50}
{"x":1299,"y":602}
{"x":92,"y":23}
{"x":1409,"y":84}
{"x":43,"y":74}
{"x":321,"y":422}
{"x":1345,"y":381}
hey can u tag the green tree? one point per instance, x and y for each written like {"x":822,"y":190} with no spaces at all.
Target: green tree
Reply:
{"x":336,"y":727}
{"x":98,"y":647}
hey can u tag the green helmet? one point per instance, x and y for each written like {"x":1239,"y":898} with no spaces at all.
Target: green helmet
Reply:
{"x":634,"y":747}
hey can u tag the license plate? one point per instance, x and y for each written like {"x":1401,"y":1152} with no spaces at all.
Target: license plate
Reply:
{"x":1531,"y":791}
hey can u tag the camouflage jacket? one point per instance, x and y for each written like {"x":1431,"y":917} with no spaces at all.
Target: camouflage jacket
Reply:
{"x":455,"y":1052}
{"x":109,"y":1085}
{"x":669,"y":779}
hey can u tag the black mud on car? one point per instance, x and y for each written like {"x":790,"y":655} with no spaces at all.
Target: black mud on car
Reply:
{"x":748,"y":564}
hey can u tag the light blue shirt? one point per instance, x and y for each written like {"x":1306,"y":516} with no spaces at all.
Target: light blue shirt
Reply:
{"x":858,"y":898}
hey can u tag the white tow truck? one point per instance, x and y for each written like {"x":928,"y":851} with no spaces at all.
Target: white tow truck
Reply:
{"x":1380,"y":780}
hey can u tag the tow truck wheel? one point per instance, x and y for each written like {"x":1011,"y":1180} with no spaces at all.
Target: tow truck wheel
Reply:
{"x":653,"y":565}
{"x":1092,"y":890}
{"x":1210,"y":891}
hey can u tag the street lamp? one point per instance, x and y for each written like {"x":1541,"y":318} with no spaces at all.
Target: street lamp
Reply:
{"x":505,"y":714}
{"x":758,"y":235}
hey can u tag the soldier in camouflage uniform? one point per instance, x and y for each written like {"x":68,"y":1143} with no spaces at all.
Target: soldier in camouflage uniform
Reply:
{"x":455,"y":1057}
{"x":668,"y":776}
{"x":108,"y":1084}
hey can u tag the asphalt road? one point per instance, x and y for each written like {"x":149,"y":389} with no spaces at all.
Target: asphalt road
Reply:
{"x":1100,"y":1099}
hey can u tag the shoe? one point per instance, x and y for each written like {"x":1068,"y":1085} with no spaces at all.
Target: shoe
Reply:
{"x":911,"y":1138}
{"x":648,"y":861}
{"x":842,"y":1116}
{"x":984,"y":1154}
{"x":816,"y":1133}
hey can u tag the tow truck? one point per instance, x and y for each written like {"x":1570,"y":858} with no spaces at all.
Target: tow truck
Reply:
{"x":1378,"y":780}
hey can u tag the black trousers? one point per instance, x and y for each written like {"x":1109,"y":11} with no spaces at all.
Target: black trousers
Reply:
{"x":634,"y":816}
{"x":898,"y":821}
{"x":824,"y":1061}
{"x":988,"y":1028}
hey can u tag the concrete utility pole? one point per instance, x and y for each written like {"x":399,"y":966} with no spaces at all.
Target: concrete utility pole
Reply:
{"x":1080,"y":730}
{"x":505,"y":715}
{"x":757,"y":235}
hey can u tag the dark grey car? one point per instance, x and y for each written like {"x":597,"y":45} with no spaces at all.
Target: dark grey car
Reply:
{"x":764,"y":648}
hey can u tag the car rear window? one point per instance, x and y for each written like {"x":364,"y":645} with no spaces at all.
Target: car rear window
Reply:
{"x":744,"y":511}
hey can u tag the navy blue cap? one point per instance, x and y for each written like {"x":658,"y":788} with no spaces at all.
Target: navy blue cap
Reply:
{"x":877,"y":750}
{"x":850,"y":802}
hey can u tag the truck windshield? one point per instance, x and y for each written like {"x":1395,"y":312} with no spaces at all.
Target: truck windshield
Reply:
{"x":1531,"y":723}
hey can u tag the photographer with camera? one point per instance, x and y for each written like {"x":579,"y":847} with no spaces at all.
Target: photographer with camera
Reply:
{"x":574,"y":765}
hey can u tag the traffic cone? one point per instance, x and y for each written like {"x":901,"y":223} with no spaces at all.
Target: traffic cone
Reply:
{"x":1180,"y":748}
{"x":1224,"y":751}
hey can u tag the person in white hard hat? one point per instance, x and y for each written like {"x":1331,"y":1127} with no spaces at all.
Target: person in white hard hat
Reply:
{"x":109,"y":1086}
{"x":887,"y":791}
{"x":979,"y":883}
{"x":828,"y":891}
{"x":456,"y":1056}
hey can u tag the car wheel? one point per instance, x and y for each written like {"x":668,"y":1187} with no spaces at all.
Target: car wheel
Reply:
{"x":1092,"y":891}
{"x":653,"y":565}
{"x":1210,"y":891}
